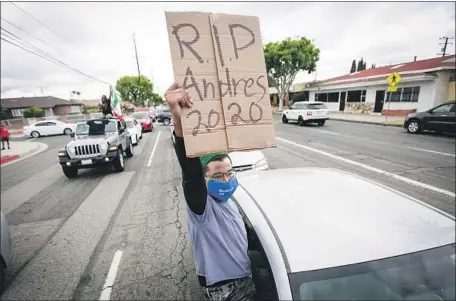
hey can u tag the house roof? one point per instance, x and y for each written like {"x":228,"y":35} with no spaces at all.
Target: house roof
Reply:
{"x":409,"y":69}
{"x":40,"y":102}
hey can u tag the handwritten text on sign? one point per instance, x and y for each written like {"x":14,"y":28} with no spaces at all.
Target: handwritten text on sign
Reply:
{"x":220,"y":62}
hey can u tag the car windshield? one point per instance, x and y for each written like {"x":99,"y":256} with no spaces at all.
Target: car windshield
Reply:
{"x":129,"y":124}
{"x":427,"y":275}
{"x":95,"y":127}
{"x":316,"y":106}
{"x":141,"y":115}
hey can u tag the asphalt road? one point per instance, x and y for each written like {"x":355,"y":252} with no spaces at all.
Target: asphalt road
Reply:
{"x":66,"y":233}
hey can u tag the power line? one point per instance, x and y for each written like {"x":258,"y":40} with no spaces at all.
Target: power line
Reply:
{"x":25,"y":43}
{"x":56,"y":61}
{"x":33,"y":36}
{"x":44,"y":25}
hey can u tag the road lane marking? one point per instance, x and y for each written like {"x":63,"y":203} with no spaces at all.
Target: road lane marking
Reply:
{"x":107,"y":288}
{"x":323,"y":131}
{"x":63,"y":260}
{"x":431,"y":151}
{"x":153,"y":150}
{"x":17,"y":195}
{"x":368,"y":167}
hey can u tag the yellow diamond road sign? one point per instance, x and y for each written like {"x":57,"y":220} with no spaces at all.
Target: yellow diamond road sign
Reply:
{"x":393,"y":79}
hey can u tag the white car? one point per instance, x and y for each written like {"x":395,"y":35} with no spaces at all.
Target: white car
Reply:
{"x":352,"y":240}
{"x":6,"y":252}
{"x":304,"y":112}
{"x":244,"y":160}
{"x":134,"y":128}
{"x":49,"y":127}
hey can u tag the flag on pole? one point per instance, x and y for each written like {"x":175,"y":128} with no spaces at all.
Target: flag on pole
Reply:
{"x":115,"y":104}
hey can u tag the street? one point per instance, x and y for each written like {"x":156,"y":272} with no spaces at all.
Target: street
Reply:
{"x":127,"y":232}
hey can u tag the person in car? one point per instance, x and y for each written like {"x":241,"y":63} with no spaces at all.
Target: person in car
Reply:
{"x":105,"y":105}
{"x":216,"y":228}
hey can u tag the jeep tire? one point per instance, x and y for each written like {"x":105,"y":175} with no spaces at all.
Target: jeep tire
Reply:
{"x":118,"y":163}
{"x":70,"y":172}
{"x":129,"y":150}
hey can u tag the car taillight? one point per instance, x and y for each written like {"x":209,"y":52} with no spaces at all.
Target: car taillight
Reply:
{"x":309,"y":113}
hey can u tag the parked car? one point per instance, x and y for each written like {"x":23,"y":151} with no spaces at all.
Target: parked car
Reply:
{"x":441,"y":118}
{"x":145,"y":120}
{"x":359,"y":240}
{"x":48,"y":127}
{"x":304,"y":112}
{"x":6,"y":252}
{"x":96,"y":142}
{"x":164,"y":116}
{"x":243,"y":160}
{"x":134,"y":128}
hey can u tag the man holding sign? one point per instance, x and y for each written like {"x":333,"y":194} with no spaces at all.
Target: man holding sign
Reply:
{"x":216,"y":228}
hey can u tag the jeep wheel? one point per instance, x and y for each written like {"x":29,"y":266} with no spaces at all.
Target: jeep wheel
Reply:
{"x":166,"y":122}
{"x":118,"y":163}
{"x":70,"y":172}
{"x":129,"y":150}
{"x":300,"y":121}
{"x":284,"y":119}
{"x":321,"y":123}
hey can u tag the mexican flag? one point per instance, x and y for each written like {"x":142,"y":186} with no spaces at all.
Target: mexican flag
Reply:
{"x":115,"y":104}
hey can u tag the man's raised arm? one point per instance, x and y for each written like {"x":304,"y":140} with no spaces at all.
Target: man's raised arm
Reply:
{"x":193,"y":181}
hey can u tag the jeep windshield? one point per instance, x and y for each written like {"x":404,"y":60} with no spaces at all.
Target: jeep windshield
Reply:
{"x":96,"y":127}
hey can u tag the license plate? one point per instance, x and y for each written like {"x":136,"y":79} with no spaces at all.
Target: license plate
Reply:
{"x":86,"y":162}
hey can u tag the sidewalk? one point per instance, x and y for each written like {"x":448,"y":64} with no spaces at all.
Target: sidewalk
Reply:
{"x":368,"y":118}
{"x":361,"y":118}
{"x":20,"y":149}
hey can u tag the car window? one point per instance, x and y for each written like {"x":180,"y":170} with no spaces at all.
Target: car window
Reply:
{"x":135,"y":122}
{"x":111,"y":127}
{"x":316,"y":106}
{"x":82,"y":129}
{"x":141,"y":115}
{"x":443,"y":109}
{"x":129,"y":124}
{"x":41,"y":124}
{"x":51,"y":123}
{"x":453,"y":108}
{"x":427,"y":275}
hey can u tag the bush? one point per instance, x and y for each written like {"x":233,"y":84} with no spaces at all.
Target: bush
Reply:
{"x":3,"y":114}
{"x":33,"y":112}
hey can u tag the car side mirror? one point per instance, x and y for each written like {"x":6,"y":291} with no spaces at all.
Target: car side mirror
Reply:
{"x":121,"y":130}
{"x":431,"y":112}
{"x":72,"y":135}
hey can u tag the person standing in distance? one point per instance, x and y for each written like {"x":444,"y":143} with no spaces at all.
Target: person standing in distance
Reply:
{"x":216,"y":228}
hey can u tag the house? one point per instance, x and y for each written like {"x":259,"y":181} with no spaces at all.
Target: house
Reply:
{"x":424,"y":84}
{"x":51,"y":105}
{"x":294,"y":89}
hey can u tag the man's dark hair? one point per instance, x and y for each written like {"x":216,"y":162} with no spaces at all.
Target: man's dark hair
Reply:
{"x":220,"y":158}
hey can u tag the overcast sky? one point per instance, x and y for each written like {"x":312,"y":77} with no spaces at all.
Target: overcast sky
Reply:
{"x":96,"y":38}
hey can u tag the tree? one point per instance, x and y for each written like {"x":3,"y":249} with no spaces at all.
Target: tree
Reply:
{"x":360,"y":65}
{"x":137,"y":90}
{"x":155,"y":100}
{"x":33,"y":112}
{"x":373,"y":66}
{"x":364,"y":65}
{"x":3,"y":113}
{"x":285,"y":59}
{"x":353,"y":67}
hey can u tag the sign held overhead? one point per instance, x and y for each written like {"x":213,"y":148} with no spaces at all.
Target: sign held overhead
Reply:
{"x":219,"y":60}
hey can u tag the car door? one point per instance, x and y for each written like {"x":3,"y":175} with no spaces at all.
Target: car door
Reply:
{"x":442,"y":118}
{"x":292,"y":112}
{"x":137,"y":126}
{"x":41,"y":127}
{"x":123,"y":133}
{"x":55,"y":128}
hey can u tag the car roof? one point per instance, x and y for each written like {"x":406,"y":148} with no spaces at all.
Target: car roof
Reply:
{"x":325,"y":218}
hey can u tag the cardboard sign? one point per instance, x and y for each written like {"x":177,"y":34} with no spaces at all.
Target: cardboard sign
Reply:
{"x":219,"y":60}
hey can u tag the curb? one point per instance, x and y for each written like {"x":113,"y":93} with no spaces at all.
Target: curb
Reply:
{"x":8,"y":159}
{"x":367,"y":122}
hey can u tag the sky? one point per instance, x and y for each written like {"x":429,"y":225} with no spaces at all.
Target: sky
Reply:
{"x":97,"y":39}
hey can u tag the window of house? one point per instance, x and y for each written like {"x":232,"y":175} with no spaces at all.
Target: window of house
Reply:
{"x":363,"y":96}
{"x":409,"y":94}
{"x":322,"y":97}
{"x":453,"y":77}
{"x":396,"y":96}
{"x":17,"y":112}
{"x":354,"y":96}
{"x":415,"y":94}
{"x":333,"y":97}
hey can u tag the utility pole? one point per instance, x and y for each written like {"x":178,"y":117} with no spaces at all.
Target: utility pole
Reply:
{"x":444,"y":48}
{"x":137,"y":61}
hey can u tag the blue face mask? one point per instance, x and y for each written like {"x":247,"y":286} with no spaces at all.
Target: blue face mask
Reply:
{"x":222,"y":191}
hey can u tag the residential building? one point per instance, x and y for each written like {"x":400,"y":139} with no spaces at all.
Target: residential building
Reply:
{"x":52,"y":106}
{"x":424,"y":84}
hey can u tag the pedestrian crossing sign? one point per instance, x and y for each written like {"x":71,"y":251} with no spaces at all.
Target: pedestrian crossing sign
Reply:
{"x":393,"y":79}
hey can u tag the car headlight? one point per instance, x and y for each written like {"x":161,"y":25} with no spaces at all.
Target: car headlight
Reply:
{"x":261,"y":164}
{"x":62,"y":154}
{"x":114,"y":148}
{"x":71,"y":149}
